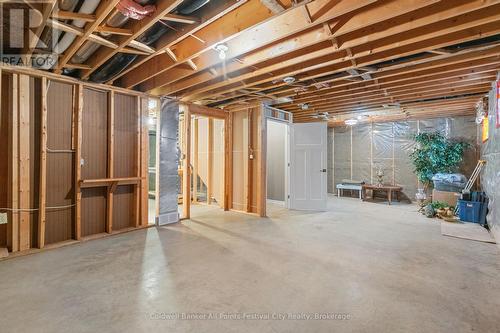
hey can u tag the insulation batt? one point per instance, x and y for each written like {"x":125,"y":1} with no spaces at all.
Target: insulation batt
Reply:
{"x":132,"y":9}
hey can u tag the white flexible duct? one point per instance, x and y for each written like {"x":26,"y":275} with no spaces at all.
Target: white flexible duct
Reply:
{"x":115,"y":20}
{"x":88,"y":7}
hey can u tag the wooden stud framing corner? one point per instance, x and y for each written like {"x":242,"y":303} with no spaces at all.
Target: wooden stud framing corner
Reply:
{"x":42,"y":204}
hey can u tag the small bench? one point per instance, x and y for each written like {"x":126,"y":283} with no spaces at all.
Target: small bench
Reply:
{"x":342,"y":187}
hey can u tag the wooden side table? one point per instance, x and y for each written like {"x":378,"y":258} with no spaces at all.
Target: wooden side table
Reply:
{"x":388,"y":189}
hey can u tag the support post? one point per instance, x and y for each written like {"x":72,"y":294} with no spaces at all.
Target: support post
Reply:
{"x":42,"y":204}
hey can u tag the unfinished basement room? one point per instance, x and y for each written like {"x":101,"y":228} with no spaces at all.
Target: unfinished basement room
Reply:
{"x":250,"y":166}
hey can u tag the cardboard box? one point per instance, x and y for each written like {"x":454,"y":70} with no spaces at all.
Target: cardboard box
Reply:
{"x":449,"y":197}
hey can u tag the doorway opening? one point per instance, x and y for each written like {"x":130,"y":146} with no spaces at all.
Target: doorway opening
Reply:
{"x":277,"y":162}
{"x":202,"y":160}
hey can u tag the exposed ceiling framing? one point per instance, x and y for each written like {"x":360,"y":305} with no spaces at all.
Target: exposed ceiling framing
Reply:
{"x":345,"y":56}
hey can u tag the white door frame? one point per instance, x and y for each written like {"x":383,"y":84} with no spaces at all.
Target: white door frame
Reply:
{"x":284,"y":117}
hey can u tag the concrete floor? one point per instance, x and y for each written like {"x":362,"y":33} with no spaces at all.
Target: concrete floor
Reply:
{"x":387,"y":269}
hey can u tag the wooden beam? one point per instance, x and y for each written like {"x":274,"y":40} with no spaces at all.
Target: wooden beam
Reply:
{"x":205,"y":111}
{"x":65,"y":15}
{"x":78,"y":98}
{"x":105,"y":7}
{"x":42,"y":203}
{"x":137,"y":28}
{"x":186,"y":162}
{"x":110,"y":162}
{"x":215,"y":10}
{"x":424,"y":17}
{"x":304,"y":42}
{"x":284,"y":25}
{"x":114,"y":31}
{"x":181,"y":19}
{"x":274,"y":6}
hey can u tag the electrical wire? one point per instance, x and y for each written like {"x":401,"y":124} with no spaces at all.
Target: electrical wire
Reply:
{"x":35,"y":209}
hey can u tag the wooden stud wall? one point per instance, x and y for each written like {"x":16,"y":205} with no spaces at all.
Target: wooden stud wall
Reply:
{"x":77,"y":158}
{"x":247,"y":163}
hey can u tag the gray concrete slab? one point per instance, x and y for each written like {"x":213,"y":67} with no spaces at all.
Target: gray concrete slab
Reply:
{"x":387,"y":268}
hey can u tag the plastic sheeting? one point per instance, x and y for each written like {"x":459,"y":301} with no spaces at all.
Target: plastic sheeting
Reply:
{"x":490,"y":176}
{"x":358,"y":152}
{"x":169,"y":161}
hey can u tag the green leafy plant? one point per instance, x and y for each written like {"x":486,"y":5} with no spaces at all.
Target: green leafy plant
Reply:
{"x":434,"y":153}
{"x":440,"y":205}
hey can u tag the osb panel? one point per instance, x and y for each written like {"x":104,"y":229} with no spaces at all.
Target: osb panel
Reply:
{"x":4,"y":152}
{"x":95,"y":134}
{"x":60,"y":165}
{"x":240,"y":160}
{"x":123,"y":207}
{"x":125,"y":136}
{"x":93,"y":218}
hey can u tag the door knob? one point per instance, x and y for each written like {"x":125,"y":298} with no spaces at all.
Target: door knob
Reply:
{"x":324,"y":170}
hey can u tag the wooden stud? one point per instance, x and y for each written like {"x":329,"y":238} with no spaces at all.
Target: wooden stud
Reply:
{"x":195,"y":158}
{"x":110,"y":164}
{"x":145,"y":162}
{"x":137,"y":188}
{"x":262,"y":169}
{"x":13,"y":226}
{"x":78,"y":110}
{"x":250,"y":162}
{"x":24,"y":162}
{"x":42,"y":204}
{"x":186,"y":163}
{"x":210,"y":160}
{"x":228,"y":161}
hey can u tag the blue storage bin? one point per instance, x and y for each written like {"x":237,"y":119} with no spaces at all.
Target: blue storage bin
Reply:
{"x":469,"y":211}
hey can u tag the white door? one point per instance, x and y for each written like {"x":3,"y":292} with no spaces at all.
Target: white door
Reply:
{"x":308,"y":159}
